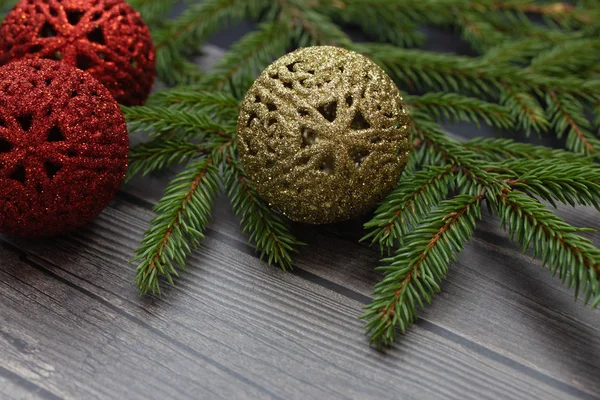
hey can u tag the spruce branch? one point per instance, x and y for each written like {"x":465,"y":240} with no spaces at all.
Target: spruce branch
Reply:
{"x":315,"y":27}
{"x":417,"y":12}
{"x":381,"y":21}
{"x":480,"y":32}
{"x":501,"y":149}
{"x":434,"y":71}
{"x":471,"y":175}
{"x":183,"y":214}
{"x":573,"y":257}
{"x":447,"y":10}
{"x":160,"y":154}
{"x":5,"y":6}
{"x":568,"y":58}
{"x":159,"y":121}
{"x":520,"y":51}
{"x":194,"y":98}
{"x":560,"y":12}
{"x":269,"y":231}
{"x":413,"y":274}
{"x":572,"y":183}
{"x":408,"y":204}
{"x":192,"y":28}
{"x":455,"y":107}
{"x":567,"y":114}
{"x":249,"y":56}
{"x":510,"y":37}
{"x":198,"y":21}
{"x":526,"y":110}
{"x":153,"y":11}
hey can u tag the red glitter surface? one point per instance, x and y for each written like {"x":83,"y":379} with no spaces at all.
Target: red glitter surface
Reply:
{"x":63,"y":148}
{"x":106,"y":38}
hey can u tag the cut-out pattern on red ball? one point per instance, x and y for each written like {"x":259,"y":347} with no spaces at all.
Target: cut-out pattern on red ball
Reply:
{"x":63,"y":148}
{"x":106,"y":38}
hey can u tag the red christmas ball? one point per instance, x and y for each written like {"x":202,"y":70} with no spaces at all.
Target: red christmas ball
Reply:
{"x":106,"y":38}
{"x":63,"y":148}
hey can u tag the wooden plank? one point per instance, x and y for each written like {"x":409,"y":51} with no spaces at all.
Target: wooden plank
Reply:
{"x":295,"y":334}
{"x":493,"y":296}
{"x":15,"y":387}
{"x":68,"y":343}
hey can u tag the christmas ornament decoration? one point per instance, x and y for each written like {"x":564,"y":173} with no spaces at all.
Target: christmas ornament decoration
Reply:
{"x":106,"y":38}
{"x":323,"y":134}
{"x":63,"y":148}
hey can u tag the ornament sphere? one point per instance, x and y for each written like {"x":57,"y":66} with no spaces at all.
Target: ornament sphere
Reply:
{"x":63,"y":148}
{"x":106,"y":38}
{"x":323,"y":134}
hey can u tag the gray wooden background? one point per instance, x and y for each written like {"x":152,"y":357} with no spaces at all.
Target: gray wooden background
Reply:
{"x":72,"y":325}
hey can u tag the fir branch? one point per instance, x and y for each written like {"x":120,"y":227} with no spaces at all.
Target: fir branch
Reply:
{"x":6,"y":5}
{"x":380,"y":20}
{"x":408,"y":204}
{"x":481,"y":33}
{"x":561,"y":12}
{"x":510,"y":37}
{"x":526,"y":110}
{"x":164,"y":120}
{"x":315,"y":27}
{"x":517,"y":52}
{"x":568,"y":58}
{"x":192,"y":28}
{"x":180,"y":70}
{"x":501,"y":149}
{"x":153,"y":11}
{"x":455,"y":107}
{"x":573,"y":257}
{"x":183,"y":214}
{"x":434,"y":71}
{"x":571,"y":183}
{"x":194,"y":98}
{"x":471,"y":176}
{"x":269,"y":231}
{"x":198,"y":22}
{"x":413,"y":274}
{"x":417,"y":12}
{"x":509,"y":13}
{"x":160,"y":154}
{"x":567,"y":114}
{"x":249,"y":56}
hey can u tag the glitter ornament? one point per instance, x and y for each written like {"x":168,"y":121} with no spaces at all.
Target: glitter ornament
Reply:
{"x":323,"y":134}
{"x":105,"y":38}
{"x":63,"y":148}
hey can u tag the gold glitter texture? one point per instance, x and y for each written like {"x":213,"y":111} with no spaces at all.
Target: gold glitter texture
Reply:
{"x":323,"y":134}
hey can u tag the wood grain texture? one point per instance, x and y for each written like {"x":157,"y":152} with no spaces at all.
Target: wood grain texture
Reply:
{"x":73,"y":326}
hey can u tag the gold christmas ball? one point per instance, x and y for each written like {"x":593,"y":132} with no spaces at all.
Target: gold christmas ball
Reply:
{"x":323,"y":134}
